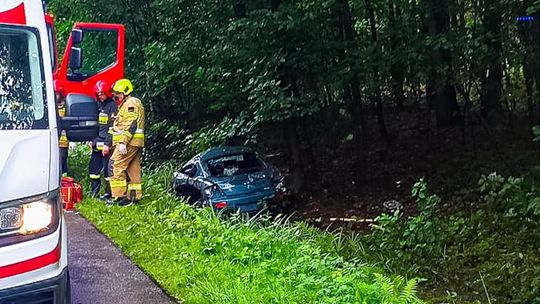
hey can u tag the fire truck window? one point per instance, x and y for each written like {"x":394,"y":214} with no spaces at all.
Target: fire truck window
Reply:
{"x":99,"y":52}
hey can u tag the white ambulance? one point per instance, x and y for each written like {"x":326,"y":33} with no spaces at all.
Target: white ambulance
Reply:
{"x":33,"y":237}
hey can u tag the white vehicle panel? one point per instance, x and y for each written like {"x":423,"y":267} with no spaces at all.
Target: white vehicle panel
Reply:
{"x":24,"y":163}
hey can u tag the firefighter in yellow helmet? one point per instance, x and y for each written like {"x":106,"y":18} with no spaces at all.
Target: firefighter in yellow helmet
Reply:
{"x":128,"y":142}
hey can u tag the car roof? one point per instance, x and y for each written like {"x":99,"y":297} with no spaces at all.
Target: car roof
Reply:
{"x":215,"y":152}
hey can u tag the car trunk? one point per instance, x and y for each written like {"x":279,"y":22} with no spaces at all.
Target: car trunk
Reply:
{"x":244,"y":184}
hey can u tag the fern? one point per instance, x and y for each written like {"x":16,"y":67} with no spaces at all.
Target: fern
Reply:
{"x":386,"y":285}
{"x":408,"y":293}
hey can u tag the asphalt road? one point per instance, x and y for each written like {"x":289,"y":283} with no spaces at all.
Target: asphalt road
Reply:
{"x":101,"y":274}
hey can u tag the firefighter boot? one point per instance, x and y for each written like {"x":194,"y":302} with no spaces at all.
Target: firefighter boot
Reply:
{"x":107,"y":195}
{"x":133,"y":196}
{"x":126,"y":201}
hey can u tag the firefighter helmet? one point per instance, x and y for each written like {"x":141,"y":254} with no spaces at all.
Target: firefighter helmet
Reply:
{"x":123,"y":86}
{"x":103,"y":86}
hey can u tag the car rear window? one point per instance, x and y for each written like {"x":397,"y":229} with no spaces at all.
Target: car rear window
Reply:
{"x":233,"y":164}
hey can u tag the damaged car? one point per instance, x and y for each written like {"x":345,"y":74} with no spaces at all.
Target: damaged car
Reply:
{"x":232,"y":179}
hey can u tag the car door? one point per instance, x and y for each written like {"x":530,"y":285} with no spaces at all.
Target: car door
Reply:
{"x":94,"y":51}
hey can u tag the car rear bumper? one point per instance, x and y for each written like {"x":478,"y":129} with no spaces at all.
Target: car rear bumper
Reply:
{"x":56,"y":290}
{"x":250,"y":208}
{"x":249,"y":204}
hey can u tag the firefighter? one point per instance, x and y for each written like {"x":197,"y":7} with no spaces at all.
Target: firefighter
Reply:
{"x":63,"y":142}
{"x":128,"y":142}
{"x":102,"y":145}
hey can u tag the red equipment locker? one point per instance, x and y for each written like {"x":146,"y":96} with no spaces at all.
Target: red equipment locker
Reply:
{"x":71,"y":193}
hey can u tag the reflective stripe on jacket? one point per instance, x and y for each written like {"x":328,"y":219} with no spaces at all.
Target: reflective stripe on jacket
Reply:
{"x":107,"y":114}
{"x":63,"y":141}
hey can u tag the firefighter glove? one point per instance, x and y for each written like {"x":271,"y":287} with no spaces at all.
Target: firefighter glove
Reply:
{"x":122,"y":149}
{"x":105,"y":150}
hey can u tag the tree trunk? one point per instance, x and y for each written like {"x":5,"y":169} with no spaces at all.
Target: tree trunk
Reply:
{"x":310,"y":162}
{"x":490,"y":97}
{"x":376,"y":55}
{"x":533,"y":30}
{"x":352,"y":89}
{"x":524,"y":32}
{"x":443,"y":92}
{"x":290,"y":127}
{"x":297,"y":170}
{"x":396,"y":69}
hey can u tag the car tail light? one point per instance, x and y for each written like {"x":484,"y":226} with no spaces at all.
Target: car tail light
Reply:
{"x":221,"y":205}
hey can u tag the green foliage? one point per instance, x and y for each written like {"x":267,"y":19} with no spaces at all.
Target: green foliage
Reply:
{"x":426,"y":202}
{"x":536,"y":133}
{"x":510,"y":195}
{"x":257,"y":65}
{"x":264,"y":261}
{"x":420,"y":234}
{"x":199,"y":258}
{"x":208,"y":137}
{"x":99,"y":51}
{"x":78,"y":161}
{"x":496,"y":239}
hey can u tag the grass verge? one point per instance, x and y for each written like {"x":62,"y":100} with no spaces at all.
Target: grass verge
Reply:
{"x":485,"y":250}
{"x":198,"y":258}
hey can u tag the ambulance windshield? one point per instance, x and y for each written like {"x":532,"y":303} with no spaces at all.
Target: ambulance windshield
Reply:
{"x":22,"y":102}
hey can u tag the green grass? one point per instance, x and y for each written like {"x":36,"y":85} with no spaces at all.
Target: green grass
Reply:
{"x":199,"y":258}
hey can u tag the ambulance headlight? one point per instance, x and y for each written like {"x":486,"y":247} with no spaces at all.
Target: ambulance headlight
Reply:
{"x":28,"y":219}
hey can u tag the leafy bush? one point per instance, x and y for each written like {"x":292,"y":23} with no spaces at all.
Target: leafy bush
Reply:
{"x":78,"y":159}
{"x":510,"y":195}
{"x":170,"y":142}
{"x":166,"y":142}
{"x":492,"y":247}
{"x":420,"y":234}
{"x":210,"y":136}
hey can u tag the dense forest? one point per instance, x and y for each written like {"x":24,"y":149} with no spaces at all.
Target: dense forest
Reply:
{"x":326,"y":80}
{"x":355,"y":101}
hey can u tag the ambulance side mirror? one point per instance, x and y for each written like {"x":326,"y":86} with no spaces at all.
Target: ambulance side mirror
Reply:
{"x":81,"y":119}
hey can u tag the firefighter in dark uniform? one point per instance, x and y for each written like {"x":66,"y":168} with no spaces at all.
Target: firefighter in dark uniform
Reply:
{"x":63,"y":142}
{"x":102,"y":145}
